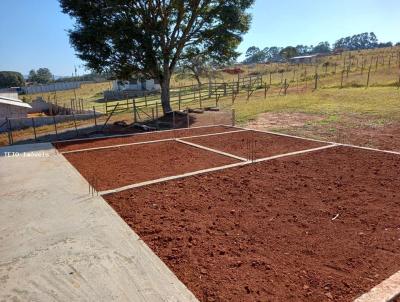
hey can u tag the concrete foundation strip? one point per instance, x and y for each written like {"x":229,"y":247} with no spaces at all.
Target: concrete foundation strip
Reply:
{"x":320,"y":141}
{"x":141,"y":133}
{"x":386,"y":291}
{"x":211,"y":150}
{"x":147,"y":142}
{"x":243,"y":163}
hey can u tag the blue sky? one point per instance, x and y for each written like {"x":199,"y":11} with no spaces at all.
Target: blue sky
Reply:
{"x":33,"y":33}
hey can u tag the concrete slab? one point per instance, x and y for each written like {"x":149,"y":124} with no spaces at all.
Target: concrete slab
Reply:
{"x":57,"y":242}
{"x":386,"y":291}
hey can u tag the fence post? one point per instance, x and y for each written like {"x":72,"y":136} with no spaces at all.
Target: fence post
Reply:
{"x":341,"y":79}
{"x":188,"y":117}
{"x":369,"y":72}
{"x":9,"y":130}
{"x":316,"y":81}
{"x":173,"y":119}
{"x":179,"y":99}
{"x":233,"y":117}
{"x":95,"y":118}
{"x":157,"y":125}
{"x":265,"y":90}
{"x":55,"y":126}
{"x":34,"y":128}
{"x":134,"y":111}
{"x":200,"y":101}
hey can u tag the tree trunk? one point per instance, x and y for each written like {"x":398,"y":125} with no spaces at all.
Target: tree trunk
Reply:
{"x":196,"y":76}
{"x":165,"y":97}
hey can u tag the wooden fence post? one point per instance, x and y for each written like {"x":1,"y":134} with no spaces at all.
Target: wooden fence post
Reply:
{"x":286,"y":86}
{"x":369,"y":72}
{"x":200,"y":102}
{"x":55,"y":126}
{"x":34,"y":128}
{"x":157,"y":124}
{"x":134,"y":111}
{"x":341,"y":79}
{"x":265,"y":90}
{"x":233,"y":117}
{"x":188,"y":117}
{"x":95,"y":118}
{"x":179,"y":99}
{"x":9,"y":130}
{"x":316,"y":81}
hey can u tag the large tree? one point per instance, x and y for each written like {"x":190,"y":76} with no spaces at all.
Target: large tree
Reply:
{"x":40,"y":76}
{"x":11,"y":79}
{"x":288,"y":52}
{"x":149,"y":37}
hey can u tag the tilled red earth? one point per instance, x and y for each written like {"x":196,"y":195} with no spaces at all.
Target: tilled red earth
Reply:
{"x":141,"y":137}
{"x":116,"y":167}
{"x":322,"y":226}
{"x":259,"y":144}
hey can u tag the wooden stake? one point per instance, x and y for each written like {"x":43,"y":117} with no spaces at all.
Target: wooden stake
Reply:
{"x":34,"y":128}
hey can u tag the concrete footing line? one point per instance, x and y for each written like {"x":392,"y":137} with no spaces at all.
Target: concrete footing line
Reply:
{"x":165,"y":179}
{"x":211,"y":150}
{"x":370,"y":149}
{"x":319,"y":141}
{"x":117,"y":146}
{"x":295,"y":153}
{"x":204,"y":171}
{"x":146,"y":142}
{"x":386,"y":291}
{"x":285,"y":135}
{"x":141,"y":133}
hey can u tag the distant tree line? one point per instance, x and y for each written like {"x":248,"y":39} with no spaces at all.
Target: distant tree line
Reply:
{"x":95,"y":77}
{"x":274,"y":54}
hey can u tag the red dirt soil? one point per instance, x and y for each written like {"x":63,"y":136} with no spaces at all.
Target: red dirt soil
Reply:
{"x":116,"y":167}
{"x":265,"y":144}
{"x":142,"y":137}
{"x":322,"y":226}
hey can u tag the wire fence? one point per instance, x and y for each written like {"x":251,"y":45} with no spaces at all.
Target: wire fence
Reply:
{"x":188,"y":104}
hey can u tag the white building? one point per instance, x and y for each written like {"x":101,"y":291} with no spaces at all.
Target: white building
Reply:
{"x":12,"y":108}
{"x":135,"y":84}
{"x":304,"y":59}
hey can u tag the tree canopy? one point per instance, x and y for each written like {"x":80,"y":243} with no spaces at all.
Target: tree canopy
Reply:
{"x":149,"y":38}
{"x":288,"y":52}
{"x":40,"y":76}
{"x":11,"y":79}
